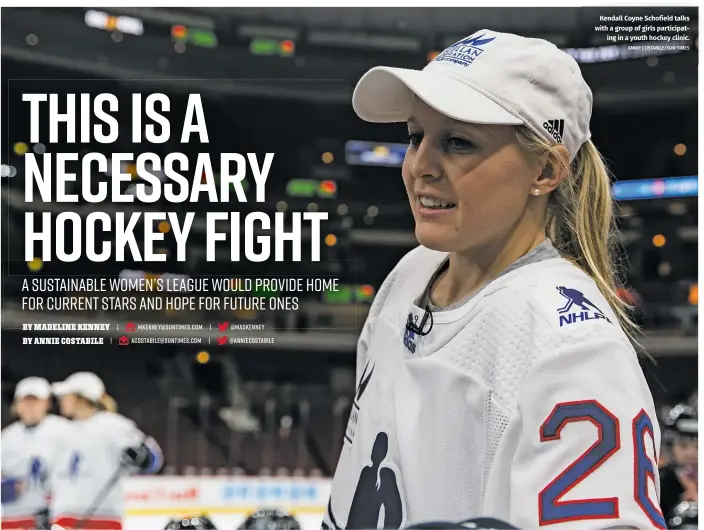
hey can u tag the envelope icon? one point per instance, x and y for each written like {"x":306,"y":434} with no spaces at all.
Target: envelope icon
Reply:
{"x":124,"y":340}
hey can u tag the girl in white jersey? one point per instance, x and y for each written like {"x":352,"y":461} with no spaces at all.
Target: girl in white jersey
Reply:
{"x":104,"y":446}
{"x":30,"y":449}
{"x":496,"y":375}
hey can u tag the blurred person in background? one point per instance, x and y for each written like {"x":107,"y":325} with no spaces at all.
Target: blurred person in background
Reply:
{"x":679,"y":477}
{"x":30,"y":450}
{"x":104,"y":446}
{"x":495,"y":372}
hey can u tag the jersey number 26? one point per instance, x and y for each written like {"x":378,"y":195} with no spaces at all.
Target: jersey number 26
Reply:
{"x":551,"y":509}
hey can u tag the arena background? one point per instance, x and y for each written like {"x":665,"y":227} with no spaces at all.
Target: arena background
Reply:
{"x":280,"y":80}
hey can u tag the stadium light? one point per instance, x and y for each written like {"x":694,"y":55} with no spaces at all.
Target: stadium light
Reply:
{"x":659,"y":240}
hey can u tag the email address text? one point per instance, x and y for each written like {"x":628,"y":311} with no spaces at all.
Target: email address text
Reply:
{"x":659,"y":48}
{"x":166,"y":340}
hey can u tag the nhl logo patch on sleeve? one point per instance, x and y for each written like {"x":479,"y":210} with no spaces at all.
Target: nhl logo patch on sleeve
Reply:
{"x":566,"y":306}
{"x":577,"y":307}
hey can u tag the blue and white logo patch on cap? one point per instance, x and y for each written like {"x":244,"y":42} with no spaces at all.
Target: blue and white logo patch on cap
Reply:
{"x":465,"y":51}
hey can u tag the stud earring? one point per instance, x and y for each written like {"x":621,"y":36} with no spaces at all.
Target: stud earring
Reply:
{"x":536,"y":191}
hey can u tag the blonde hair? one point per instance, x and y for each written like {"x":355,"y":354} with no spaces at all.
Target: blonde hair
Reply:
{"x":107,"y":403}
{"x":581,"y":220}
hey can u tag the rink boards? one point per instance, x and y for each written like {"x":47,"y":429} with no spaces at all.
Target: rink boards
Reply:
{"x":153,"y":501}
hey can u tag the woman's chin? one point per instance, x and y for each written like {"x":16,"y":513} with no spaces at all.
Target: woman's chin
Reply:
{"x":435,"y":237}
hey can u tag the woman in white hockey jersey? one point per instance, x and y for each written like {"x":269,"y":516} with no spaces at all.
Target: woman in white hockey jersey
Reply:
{"x":30,"y":450}
{"x":495,"y":372}
{"x":104,"y":448}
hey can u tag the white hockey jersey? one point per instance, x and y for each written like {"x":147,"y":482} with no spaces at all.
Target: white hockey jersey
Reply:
{"x":527,"y":403}
{"x":88,"y":462}
{"x":31,"y":455}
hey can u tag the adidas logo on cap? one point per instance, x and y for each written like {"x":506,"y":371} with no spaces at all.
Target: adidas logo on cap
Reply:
{"x":556,"y":128}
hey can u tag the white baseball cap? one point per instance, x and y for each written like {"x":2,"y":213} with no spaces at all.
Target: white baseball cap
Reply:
{"x":33,"y":386}
{"x":85,"y":384}
{"x":488,"y":78}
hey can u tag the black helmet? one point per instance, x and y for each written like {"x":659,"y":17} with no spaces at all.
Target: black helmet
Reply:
{"x":681,"y":421}
{"x":685,"y":516}
{"x":197,"y":522}
{"x":270,"y":519}
{"x":479,"y":523}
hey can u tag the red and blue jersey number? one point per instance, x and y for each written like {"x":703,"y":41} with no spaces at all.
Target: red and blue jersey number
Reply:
{"x":644,"y":468}
{"x":552,"y":509}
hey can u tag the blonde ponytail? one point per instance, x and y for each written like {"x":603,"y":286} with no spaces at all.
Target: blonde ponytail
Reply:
{"x":581,"y":220}
{"x":107,"y":403}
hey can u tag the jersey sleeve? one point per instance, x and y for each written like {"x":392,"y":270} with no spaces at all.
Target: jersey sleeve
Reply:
{"x":11,"y":451}
{"x":125,"y":433}
{"x":5,"y":449}
{"x":366,"y":334}
{"x":362,"y":347}
{"x":10,"y":473}
{"x":375,"y":309}
{"x":588,"y":441}
{"x":129,"y":436}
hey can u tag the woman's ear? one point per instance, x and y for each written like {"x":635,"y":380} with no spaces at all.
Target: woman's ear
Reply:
{"x":555,"y":169}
